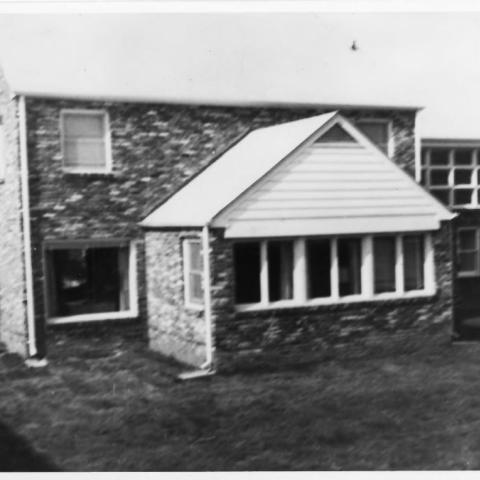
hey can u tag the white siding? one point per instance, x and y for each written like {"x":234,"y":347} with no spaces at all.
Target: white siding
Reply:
{"x":331,"y":184}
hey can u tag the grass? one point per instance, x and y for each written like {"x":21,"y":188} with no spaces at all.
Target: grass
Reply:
{"x":112,"y":405}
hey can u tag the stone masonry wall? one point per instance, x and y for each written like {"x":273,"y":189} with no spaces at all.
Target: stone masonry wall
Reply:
{"x":293,"y":335}
{"x":173,"y":329}
{"x":13,"y":326}
{"x":156,"y":148}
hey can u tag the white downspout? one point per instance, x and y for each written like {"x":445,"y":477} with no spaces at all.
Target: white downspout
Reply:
{"x":32,"y":349}
{"x":207,"y":297}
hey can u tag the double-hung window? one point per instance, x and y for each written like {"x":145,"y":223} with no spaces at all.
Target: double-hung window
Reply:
{"x":85,"y":141}
{"x":193,"y":272}
{"x":307,"y":271}
{"x":468,"y":252}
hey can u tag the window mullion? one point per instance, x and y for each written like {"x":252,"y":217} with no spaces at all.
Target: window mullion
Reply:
{"x":429,"y":265}
{"x":334,"y":277}
{"x":367,"y":266}
{"x":399,"y":271}
{"x":263,"y":273}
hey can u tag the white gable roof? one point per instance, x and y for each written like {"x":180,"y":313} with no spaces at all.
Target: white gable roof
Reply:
{"x":278,"y":181}
{"x":236,"y":170}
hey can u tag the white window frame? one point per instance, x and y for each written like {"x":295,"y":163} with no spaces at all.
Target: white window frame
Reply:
{"x":469,"y":273}
{"x":391,"y":141}
{"x":187,"y":269}
{"x":426,"y":169}
{"x":131,"y":313}
{"x":107,"y":139}
{"x":367,"y":294}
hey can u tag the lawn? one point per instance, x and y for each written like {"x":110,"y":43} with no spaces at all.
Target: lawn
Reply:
{"x":112,"y":405}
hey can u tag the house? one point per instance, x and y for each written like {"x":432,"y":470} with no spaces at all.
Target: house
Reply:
{"x":224,"y":232}
{"x":450,"y":171}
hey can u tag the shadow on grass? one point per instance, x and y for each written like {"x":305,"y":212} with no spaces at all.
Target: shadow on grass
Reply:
{"x":16,"y":455}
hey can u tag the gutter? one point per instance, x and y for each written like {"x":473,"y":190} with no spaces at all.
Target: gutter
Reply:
{"x":27,"y":247}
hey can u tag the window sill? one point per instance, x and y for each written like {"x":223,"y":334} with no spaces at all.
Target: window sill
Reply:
{"x":72,"y":171}
{"x":92,"y":317}
{"x":194,"y":307}
{"x":468,"y":274}
{"x":329,"y":301}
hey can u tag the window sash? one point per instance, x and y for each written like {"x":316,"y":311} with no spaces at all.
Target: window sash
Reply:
{"x":468,"y":254}
{"x":363,"y":273}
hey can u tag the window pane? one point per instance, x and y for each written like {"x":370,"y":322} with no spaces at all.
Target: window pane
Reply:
{"x":349,"y":265}
{"x":196,"y":261}
{"x":467,"y":239}
{"x":413,"y":261}
{"x":196,"y":287}
{"x":88,"y":280}
{"x":439,"y":156}
{"x":443,"y":195}
{"x":280,"y":270}
{"x":467,"y":262}
{"x":463,"y":156}
{"x":462,"y":197}
{"x":384,"y":264}
{"x":424,"y":157}
{"x":84,"y":153}
{"x":439,"y":177}
{"x":462,"y":176}
{"x":377,"y":132}
{"x":83,"y":125}
{"x":246,"y":258}
{"x":318,"y":267}
{"x":423,"y":177}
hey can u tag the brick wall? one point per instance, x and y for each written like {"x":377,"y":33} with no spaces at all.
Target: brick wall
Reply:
{"x":295,"y":334}
{"x":13,"y":326}
{"x":173,"y":329}
{"x":155,"y":150}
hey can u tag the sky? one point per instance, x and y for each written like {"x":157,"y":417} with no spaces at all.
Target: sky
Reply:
{"x":423,"y":59}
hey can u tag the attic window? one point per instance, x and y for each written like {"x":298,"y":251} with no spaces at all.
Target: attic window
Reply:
{"x":334,"y":135}
{"x":378,"y":132}
{"x":85,"y":141}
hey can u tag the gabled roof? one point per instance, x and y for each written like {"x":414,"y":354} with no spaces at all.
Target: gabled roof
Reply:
{"x":236,"y":170}
{"x":281,"y":180}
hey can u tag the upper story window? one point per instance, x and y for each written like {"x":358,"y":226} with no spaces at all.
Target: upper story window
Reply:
{"x":379,"y":132}
{"x":468,"y":249}
{"x":452,"y":175}
{"x":85,"y":141}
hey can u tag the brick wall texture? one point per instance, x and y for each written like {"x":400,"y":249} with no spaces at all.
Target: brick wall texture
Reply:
{"x":13,"y":325}
{"x":155,"y":150}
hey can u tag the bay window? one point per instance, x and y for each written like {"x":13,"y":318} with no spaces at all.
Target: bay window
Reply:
{"x":311,"y":271}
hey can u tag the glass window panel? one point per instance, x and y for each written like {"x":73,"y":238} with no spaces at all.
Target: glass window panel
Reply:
{"x":413,"y":262}
{"x":377,"y":132}
{"x":442,"y":194}
{"x":462,"y":176}
{"x":467,"y":262}
{"x":384,"y":264}
{"x":89,"y":125}
{"x":423,"y":177}
{"x":196,"y":287}
{"x":87,"y":280}
{"x":349,"y":266}
{"x":439,"y":156}
{"x":84,"y":153}
{"x":246,"y":259}
{"x":318,"y":267}
{"x":467,"y":239}
{"x":439,"y":177}
{"x":196,"y":261}
{"x":462,"y":196}
{"x":280,"y":270}
{"x":478,"y":177}
{"x":462,"y":156}
{"x":424,"y":157}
